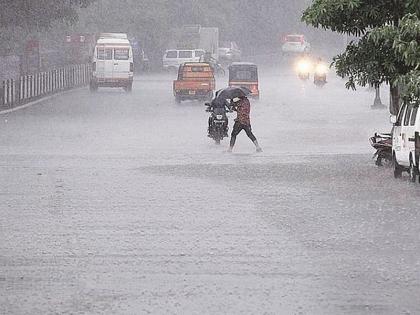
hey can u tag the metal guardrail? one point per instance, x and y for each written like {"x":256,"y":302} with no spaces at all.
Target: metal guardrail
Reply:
{"x":35,"y":86}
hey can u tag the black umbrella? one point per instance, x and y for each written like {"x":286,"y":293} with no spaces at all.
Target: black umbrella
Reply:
{"x":232,"y":92}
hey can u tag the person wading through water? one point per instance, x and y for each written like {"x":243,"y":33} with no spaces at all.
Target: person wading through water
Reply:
{"x":242,"y":122}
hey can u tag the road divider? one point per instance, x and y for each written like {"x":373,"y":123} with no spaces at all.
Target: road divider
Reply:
{"x":18,"y":93}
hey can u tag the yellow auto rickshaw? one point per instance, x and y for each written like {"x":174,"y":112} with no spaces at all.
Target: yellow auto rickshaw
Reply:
{"x":244,"y":74}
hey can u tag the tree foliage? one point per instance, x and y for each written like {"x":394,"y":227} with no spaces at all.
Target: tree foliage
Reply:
{"x":388,"y":49}
{"x":39,"y":14}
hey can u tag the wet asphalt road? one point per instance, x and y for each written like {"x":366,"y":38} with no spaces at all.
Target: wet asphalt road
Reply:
{"x":117,"y":203}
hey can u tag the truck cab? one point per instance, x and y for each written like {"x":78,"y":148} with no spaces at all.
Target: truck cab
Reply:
{"x":195,"y":82}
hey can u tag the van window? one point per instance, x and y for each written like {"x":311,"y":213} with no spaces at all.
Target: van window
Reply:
{"x":407,"y":115}
{"x":185,"y":54}
{"x":414,"y":115}
{"x":245,"y":75}
{"x":294,"y":38}
{"x":121,"y":53}
{"x":400,"y":115}
{"x":199,"y":53}
{"x":104,"y":53}
{"x":172,"y":54}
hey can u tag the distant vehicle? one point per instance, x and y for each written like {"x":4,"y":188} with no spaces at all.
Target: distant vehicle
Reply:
{"x":229,"y":52}
{"x":406,"y":141}
{"x":320,"y":74}
{"x":304,"y":68}
{"x":195,"y":81}
{"x":209,"y":41}
{"x":112,"y":62}
{"x":295,"y":44}
{"x":244,"y":74}
{"x":197,"y":37}
{"x":173,"y":59}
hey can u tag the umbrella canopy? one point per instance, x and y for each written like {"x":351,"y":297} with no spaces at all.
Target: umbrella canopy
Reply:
{"x":232,"y":92}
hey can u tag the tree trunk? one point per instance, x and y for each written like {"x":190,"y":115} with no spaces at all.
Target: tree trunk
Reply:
{"x":395,"y":101}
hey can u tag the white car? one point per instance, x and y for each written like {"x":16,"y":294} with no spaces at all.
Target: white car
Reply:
{"x":295,"y":44}
{"x":173,"y":59}
{"x":406,"y":141}
{"x":230,"y":52}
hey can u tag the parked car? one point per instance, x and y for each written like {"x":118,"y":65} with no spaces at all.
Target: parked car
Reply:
{"x":173,"y":59}
{"x":406,"y":141}
{"x":195,"y":81}
{"x":229,"y":52}
{"x":112,"y":62}
{"x":295,"y":44}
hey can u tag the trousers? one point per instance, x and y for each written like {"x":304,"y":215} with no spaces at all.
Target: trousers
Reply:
{"x":237,"y":128}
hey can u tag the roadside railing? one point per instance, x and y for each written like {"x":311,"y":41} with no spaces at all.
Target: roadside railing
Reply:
{"x":27,"y":88}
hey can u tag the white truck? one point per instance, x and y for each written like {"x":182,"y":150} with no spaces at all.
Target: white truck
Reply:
{"x":112,"y":62}
{"x":194,"y":38}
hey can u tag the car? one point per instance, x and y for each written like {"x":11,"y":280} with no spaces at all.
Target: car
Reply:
{"x":406,"y":141}
{"x":174,"y":58}
{"x":229,"y":52}
{"x":295,"y":44}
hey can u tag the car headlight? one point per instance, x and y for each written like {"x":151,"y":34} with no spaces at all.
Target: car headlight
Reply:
{"x":304,"y":66}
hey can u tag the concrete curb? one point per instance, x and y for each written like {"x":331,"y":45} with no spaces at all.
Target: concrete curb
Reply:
{"x":46,"y":98}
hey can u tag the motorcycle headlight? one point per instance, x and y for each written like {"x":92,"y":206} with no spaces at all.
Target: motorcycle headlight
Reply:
{"x":321,"y":69}
{"x":219,"y":117}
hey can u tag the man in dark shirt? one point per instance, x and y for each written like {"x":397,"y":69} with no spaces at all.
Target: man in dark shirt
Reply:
{"x":243,"y":122}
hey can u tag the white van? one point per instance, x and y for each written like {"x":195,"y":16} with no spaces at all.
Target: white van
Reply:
{"x":406,"y":141}
{"x":174,"y":58}
{"x":112,"y":62}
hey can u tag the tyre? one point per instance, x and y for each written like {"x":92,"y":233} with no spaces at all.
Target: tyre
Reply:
{"x":379,"y":161}
{"x":397,"y":168}
{"x":412,"y":171}
{"x":128,"y":88}
{"x":178,"y":99}
{"x":93,"y":87}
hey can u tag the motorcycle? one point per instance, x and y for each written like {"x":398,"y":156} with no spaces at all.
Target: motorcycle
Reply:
{"x":320,"y":76}
{"x":382,"y":143}
{"x":303,"y":69}
{"x":218,"y":123}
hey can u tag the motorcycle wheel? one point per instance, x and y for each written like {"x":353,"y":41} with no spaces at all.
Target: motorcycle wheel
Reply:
{"x":384,"y":160}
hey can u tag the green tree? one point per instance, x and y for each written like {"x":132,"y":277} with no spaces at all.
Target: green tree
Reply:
{"x":38,"y":15}
{"x":374,"y":59}
{"x":404,"y":40}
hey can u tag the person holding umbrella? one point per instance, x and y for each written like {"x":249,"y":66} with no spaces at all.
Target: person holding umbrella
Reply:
{"x":241,"y":104}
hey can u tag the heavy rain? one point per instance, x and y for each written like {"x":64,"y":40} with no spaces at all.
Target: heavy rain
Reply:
{"x":209,"y":157}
